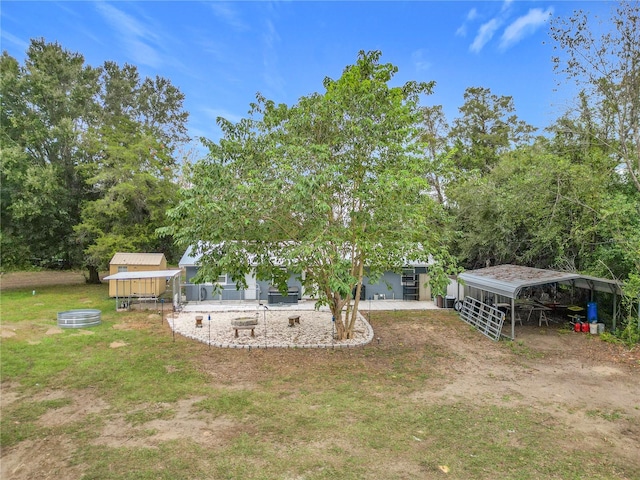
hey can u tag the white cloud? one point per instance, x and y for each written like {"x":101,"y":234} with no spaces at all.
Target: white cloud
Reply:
{"x":229,"y":15}
{"x":524,"y":26}
{"x":15,"y":40}
{"x":271,"y":74}
{"x":485,"y":33}
{"x":462,"y":29}
{"x":140,"y":41}
{"x":506,"y":5}
{"x":214,"y":113}
{"x":419,"y":62}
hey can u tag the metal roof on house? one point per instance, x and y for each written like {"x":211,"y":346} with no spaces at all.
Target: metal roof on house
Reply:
{"x":143,"y":274}
{"x":509,"y":280}
{"x":188,"y":258}
{"x":137,"y":259}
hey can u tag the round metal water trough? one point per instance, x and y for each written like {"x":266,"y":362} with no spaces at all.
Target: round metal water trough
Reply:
{"x":79,"y":318}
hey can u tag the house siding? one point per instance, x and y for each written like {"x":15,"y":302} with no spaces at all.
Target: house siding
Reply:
{"x":205,"y":291}
{"x":389,"y":286}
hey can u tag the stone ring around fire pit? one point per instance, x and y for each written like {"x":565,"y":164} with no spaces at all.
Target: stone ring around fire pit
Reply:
{"x":244,"y":323}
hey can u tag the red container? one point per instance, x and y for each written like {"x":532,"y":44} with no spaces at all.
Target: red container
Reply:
{"x":577,"y":327}
{"x":585,"y":327}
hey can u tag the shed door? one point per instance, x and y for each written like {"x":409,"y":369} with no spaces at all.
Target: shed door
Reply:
{"x":424,"y":292}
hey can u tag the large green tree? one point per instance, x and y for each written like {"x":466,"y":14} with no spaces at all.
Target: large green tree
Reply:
{"x":47,"y":106}
{"x":488,"y":126}
{"x":605,"y":62}
{"x":326,"y":188}
{"x":87,"y":158}
{"x":438,"y":151}
{"x":603,"y":58}
{"x":132,"y":176}
{"x":559,"y":203}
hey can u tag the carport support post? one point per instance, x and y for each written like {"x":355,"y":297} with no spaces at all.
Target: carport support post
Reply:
{"x":513,"y":319}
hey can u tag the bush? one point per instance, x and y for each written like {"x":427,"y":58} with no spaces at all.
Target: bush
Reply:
{"x":630,"y":333}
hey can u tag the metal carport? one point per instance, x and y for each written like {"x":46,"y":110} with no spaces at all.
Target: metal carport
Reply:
{"x":509,"y":280}
{"x":174,"y":275}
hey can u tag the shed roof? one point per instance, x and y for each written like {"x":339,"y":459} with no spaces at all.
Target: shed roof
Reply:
{"x":137,"y":259}
{"x":509,"y":280}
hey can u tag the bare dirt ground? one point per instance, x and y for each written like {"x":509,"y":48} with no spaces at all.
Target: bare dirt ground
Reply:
{"x":589,"y":387}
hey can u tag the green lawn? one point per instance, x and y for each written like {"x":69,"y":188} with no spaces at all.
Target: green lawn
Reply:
{"x":191,"y":412}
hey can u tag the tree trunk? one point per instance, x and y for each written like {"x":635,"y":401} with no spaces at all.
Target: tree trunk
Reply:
{"x":338,"y":323}
{"x":336,"y":310}
{"x":94,"y":277}
{"x":354,"y":314}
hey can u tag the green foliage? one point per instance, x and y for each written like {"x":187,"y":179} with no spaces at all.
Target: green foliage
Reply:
{"x":487,"y":128}
{"x":133,"y":190}
{"x":442,"y":266}
{"x":45,"y":106}
{"x":541,"y":209}
{"x":86,"y":162}
{"x":439,"y":155}
{"x":328,"y":186}
{"x":605,"y":63}
{"x":629,"y":333}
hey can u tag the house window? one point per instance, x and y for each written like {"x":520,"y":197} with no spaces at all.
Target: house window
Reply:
{"x":122,"y":268}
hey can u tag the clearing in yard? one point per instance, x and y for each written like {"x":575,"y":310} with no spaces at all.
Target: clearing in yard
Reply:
{"x":428,"y":398}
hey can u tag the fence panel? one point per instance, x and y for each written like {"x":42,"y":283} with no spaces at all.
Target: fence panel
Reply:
{"x":487,"y":319}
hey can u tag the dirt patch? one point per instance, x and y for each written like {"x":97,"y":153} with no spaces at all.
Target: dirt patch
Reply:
{"x":183,"y":424}
{"x":13,"y":280}
{"x":569,"y":378}
{"x":7,"y":333}
{"x":47,"y":459}
{"x":84,"y":403}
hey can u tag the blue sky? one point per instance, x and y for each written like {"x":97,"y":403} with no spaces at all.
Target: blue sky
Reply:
{"x":221,"y":53}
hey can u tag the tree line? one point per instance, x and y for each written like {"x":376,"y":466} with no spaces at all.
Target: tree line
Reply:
{"x":358,"y":177}
{"x":88,"y":163}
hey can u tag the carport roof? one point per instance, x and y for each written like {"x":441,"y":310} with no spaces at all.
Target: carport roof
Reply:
{"x":509,"y":280}
{"x":143,"y":274}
